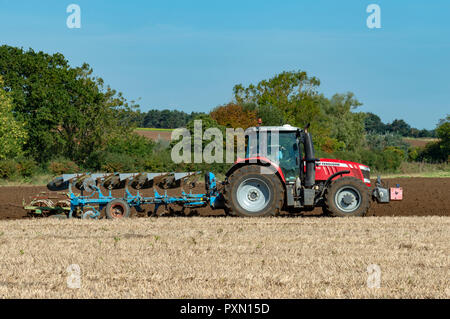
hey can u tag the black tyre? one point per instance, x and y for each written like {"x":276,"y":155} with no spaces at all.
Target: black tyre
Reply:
{"x":117,"y":209}
{"x":248,"y":193}
{"x":58,"y":184}
{"x":347,"y":197}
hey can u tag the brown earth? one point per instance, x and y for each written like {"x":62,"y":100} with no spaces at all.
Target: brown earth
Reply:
{"x":155,"y":135}
{"x":417,"y":142}
{"x":422,"y":197}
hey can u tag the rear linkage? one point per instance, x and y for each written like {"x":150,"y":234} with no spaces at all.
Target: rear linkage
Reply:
{"x":382,"y":195}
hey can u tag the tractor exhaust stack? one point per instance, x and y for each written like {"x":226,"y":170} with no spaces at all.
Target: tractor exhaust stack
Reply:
{"x":310,"y":158}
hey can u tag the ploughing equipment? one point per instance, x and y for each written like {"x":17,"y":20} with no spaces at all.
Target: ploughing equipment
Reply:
{"x":280,"y":172}
{"x":91,"y":200}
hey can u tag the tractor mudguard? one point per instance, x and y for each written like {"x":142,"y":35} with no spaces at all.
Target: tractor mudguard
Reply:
{"x":264,"y":161}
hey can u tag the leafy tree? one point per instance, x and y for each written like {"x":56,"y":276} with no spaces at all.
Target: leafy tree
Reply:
{"x":131,"y":118}
{"x":413,"y":153}
{"x":380,"y":142}
{"x":67,"y":111}
{"x":443,"y":133}
{"x":128,"y":151}
{"x":443,"y":130}
{"x":393,"y":157}
{"x":346,"y":126}
{"x":334,"y":123}
{"x":12,"y":132}
{"x":373,"y":124}
{"x":233,"y":115}
{"x":427,"y":133}
{"x":269,"y":114}
{"x":165,"y":118}
{"x":207,"y":122}
{"x":399,"y":127}
{"x":438,"y":151}
{"x":295,"y":95}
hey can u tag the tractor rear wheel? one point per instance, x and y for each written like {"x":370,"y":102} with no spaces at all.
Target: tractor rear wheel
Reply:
{"x":249,"y":193}
{"x":347,"y":197}
{"x":117,"y":209}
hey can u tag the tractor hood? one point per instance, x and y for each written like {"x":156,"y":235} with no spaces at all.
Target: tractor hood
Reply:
{"x":341,"y":163}
{"x":326,"y":167}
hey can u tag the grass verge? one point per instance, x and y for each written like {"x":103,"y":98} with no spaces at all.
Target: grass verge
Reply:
{"x":417,"y":169}
{"x":36,"y":180}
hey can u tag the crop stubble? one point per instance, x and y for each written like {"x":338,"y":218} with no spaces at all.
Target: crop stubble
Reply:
{"x":180,"y":257}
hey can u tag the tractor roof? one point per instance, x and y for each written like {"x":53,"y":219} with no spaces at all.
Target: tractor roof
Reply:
{"x":284,"y":128}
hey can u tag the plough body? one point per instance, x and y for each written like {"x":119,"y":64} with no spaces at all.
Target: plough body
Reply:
{"x":91,"y":200}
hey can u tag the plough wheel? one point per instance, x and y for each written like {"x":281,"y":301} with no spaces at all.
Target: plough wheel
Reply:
{"x":117,"y":209}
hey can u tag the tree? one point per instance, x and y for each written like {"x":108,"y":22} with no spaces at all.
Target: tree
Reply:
{"x":68,"y":112}
{"x":427,"y":133}
{"x":443,"y":133}
{"x":334,"y":123}
{"x":373,"y":124}
{"x":166,"y":118}
{"x":294,"y":93}
{"x":233,"y":115}
{"x":399,"y":127}
{"x":379,"y":142}
{"x":346,"y":126}
{"x":270,"y":115}
{"x":12,"y":132}
{"x":439,"y":151}
{"x":132,"y":118}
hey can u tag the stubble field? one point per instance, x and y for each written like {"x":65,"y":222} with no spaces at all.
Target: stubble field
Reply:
{"x":217,"y":257}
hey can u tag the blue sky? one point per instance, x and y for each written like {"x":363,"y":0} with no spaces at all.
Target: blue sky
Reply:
{"x":188,"y":55}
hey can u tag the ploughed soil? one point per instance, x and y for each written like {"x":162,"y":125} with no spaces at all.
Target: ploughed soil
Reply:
{"x":421,"y":197}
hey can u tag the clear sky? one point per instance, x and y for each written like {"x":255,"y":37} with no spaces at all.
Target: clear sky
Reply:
{"x":189,"y":54}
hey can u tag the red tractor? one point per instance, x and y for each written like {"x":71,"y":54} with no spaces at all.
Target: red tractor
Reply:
{"x":280,"y":171}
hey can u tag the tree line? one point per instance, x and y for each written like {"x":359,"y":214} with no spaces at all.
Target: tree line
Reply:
{"x":169,"y":119}
{"x":374,"y":124}
{"x":58,"y":118}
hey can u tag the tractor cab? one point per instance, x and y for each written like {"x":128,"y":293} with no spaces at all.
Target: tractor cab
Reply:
{"x":281,"y":145}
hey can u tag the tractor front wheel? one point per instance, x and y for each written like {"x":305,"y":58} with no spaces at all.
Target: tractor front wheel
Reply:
{"x":347,"y":197}
{"x":252,"y":191}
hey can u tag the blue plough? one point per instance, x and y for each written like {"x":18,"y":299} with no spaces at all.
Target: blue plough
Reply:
{"x":89,"y":203}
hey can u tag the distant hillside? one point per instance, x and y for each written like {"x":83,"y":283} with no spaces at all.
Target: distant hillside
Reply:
{"x":155,"y":134}
{"x":419,"y":142}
